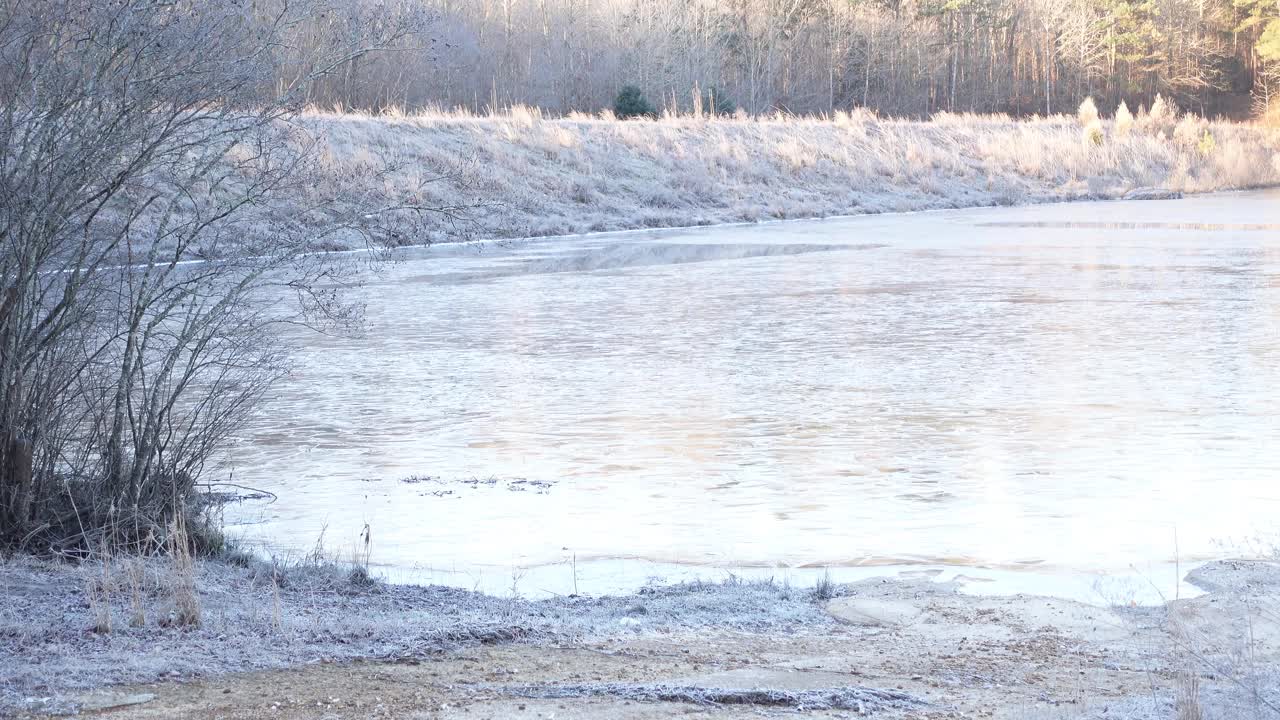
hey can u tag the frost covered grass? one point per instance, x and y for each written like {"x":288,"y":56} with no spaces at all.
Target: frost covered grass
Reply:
{"x":885,"y":644}
{"x":523,"y":174}
{"x":70,"y":628}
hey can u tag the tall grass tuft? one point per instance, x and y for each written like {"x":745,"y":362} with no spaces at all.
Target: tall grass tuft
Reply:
{"x":1093,"y":135}
{"x":137,"y":612}
{"x":277,"y":614}
{"x":98,"y":593}
{"x":1161,"y":118}
{"x":360,"y":555}
{"x":825,"y":588}
{"x":1124,"y":119}
{"x":1207,"y":144}
{"x":186,"y":599}
{"x":1188,"y":696}
{"x":1087,"y":114}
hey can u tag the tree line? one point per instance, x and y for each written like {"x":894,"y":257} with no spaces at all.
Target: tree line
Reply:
{"x":898,"y":57}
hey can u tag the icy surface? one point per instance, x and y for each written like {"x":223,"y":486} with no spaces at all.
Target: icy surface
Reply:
{"x":1084,"y":387}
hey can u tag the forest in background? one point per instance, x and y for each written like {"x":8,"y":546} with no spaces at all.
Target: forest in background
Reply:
{"x":907,"y":58}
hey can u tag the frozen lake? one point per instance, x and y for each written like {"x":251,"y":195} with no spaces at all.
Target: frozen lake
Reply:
{"x":1084,"y":388}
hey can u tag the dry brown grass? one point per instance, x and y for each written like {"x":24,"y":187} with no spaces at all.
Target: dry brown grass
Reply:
{"x":1271,"y":118}
{"x":1087,"y":114}
{"x":549,"y":176}
{"x":1187,"y":697}
{"x":277,"y":615}
{"x":98,"y":589}
{"x":137,"y":609}
{"x":186,"y":598}
{"x":99,"y":606}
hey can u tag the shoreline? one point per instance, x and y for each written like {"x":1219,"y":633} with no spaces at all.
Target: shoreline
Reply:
{"x":1034,"y":202}
{"x":304,"y":635}
{"x":497,"y":239}
{"x":1148,"y":586}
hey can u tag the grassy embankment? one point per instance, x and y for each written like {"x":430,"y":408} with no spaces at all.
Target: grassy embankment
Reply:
{"x":538,"y":176}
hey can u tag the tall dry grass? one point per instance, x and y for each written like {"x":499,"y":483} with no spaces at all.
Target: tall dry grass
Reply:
{"x":115,"y":578}
{"x":186,"y":597}
{"x":98,"y":589}
{"x":137,"y":606}
{"x":537,"y":175}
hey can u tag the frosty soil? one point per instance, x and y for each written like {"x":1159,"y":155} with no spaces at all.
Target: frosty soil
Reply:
{"x":901,"y":647}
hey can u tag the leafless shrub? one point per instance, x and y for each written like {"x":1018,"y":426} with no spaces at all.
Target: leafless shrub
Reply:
{"x":139,"y":298}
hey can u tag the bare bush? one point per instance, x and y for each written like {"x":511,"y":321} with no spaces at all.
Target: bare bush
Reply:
{"x":139,"y":305}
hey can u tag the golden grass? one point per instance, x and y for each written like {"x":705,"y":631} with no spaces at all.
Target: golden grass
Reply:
{"x":545,"y":175}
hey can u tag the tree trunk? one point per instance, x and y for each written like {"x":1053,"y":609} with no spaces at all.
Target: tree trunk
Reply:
{"x":17,"y":471}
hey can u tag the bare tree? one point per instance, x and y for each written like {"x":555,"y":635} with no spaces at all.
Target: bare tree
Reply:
{"x":141,"y":145}
{"x":903,"y":57}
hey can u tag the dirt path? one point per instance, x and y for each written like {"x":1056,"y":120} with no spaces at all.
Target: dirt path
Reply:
{"x":996,"y":677}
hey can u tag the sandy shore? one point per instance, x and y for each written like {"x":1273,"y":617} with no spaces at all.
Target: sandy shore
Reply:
{"x":323,"y":644}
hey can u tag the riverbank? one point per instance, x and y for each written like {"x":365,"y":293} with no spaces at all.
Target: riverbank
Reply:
{"x":520,"y":174}
{"x":324,"y":641}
